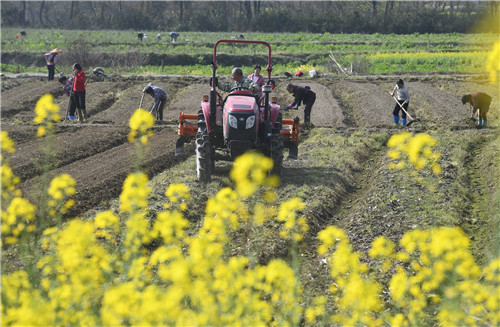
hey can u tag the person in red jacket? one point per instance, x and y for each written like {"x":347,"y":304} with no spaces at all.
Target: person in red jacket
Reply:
{"x":79,"y":91}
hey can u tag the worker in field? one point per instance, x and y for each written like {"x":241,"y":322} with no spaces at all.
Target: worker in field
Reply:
{"x":67,"y":88}
{"x":99,"y":73}
{"x":403,"y":99}
{"x":240,"y":83}
{"x":79,"y":91}
{"x":302,"y":95}
{"x":478,"y":101}
{"x":258,"y":79}
{"x":160,"y":97}
{"x":50,"y":58}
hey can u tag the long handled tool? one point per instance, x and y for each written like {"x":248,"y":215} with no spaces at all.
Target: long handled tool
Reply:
{"x":406,"y":112}
{"x":142,"y":98}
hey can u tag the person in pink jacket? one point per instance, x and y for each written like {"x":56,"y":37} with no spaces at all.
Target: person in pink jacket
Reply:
{"x":50,"y":58}
{"x":258,"y":79}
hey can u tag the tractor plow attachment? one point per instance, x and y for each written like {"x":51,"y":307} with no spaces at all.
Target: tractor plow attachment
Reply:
{"x":188,"y":127}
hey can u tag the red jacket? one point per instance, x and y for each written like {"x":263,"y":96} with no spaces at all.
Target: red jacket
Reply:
{"x":79,"y":82}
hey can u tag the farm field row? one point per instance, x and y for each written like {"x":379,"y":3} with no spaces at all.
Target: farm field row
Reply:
{"x":342,"y":174}
{"x":343,"y":107}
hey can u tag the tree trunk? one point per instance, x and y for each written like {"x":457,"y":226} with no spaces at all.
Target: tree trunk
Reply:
{"x":181,"y":13}
{"x":248,"y":11}
{"x":374,"y":6}
{"x":22,"y":17}
{"x":71,"y":11}
{"x":256,"y":8}
{"x":41,"y":11}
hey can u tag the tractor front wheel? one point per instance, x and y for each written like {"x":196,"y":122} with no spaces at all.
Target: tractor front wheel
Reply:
{"x":203,"y":157}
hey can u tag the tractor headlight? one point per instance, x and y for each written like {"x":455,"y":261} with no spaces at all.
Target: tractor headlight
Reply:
{"x":233,"y":122}
{"x":250,"y":122}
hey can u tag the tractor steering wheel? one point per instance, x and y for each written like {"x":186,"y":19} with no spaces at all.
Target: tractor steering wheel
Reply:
{"x":239,"y":88}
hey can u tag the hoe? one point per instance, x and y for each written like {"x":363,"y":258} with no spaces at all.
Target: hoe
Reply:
{"x":406,"y":112}
{"x":226,"y":128}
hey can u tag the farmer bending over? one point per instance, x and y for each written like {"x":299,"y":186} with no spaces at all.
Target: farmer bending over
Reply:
{"x":240,"y":82}
{"x":160,"y":97}
{"x":403,"y":100}
{"x":67,"y":86}
{"x":481,"y":101}
{"x":302,"y":94}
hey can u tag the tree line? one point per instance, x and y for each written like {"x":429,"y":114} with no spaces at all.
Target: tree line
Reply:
{"x":399,"y":17}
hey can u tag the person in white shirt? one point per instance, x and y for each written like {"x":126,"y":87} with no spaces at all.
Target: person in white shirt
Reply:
{"x":403,"y":99}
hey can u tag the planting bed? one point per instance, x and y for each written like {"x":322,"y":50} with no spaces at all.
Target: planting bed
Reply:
{"x":341,"y":173}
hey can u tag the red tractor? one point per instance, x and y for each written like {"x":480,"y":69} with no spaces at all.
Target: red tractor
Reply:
{"x":226,"y":128}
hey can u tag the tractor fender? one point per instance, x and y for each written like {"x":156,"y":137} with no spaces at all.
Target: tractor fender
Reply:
{"x":275,"y":109}
{"x":205,"y":107}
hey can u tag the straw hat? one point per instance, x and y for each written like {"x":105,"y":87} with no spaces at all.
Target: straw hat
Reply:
{"x":56,"y":50}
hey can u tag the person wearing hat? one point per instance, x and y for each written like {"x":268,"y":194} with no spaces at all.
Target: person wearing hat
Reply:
{"x":160,"y":97}
{"x":79,"y":91}
{"x":481,"y":101}
{"x":302,"y":94}
{"x":50,"y":58}
{"x":403,"y":100}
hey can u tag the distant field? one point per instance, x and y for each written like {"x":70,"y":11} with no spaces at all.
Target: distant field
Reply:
{"x":122,"y":52}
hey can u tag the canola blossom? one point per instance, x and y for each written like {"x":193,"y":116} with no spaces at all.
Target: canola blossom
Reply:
{"x":493,"y":63}
{"x":60,"y":189}
{"x":141,"y":123}
{"x":47,"y":113}
{"x":6,"y":143}
{"x":416,"y":150}
{"x":138,"y":266}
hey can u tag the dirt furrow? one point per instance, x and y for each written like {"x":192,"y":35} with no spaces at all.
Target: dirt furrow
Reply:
{"x":64,"y":148}
{"x":100,"y":177}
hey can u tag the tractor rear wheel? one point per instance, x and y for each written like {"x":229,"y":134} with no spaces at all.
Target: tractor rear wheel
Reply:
{"x":203,"y":157}
{"x":276,"y":152}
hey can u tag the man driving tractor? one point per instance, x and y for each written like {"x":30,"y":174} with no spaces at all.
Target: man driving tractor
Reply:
{"x":240,"y":82}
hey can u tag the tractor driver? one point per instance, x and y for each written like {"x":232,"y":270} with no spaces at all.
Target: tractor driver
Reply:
{"x":240,"y":82}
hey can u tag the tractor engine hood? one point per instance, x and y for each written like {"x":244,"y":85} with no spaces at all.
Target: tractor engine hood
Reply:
{"x":241,"y":104}
{"x":241,"y":117}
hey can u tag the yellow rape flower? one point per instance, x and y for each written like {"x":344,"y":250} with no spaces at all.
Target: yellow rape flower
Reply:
{"x":493,"y":63}
{"x":418,"y":151}
{"x":17,"y":219}
{"x":9,"y":181}
{"x":6,"y":143}
{"x":134,"y":192}
{"x":250,"y":171}
{"x":47,"y":112}
{"x":61,"y":187}
{"x":141,"y":123}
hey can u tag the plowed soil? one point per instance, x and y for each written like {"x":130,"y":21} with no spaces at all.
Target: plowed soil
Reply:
{"x":99,"y":157}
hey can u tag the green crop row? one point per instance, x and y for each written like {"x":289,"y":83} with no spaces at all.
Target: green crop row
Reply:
{"x":378,"y":63}
{"x":201,"y":43}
